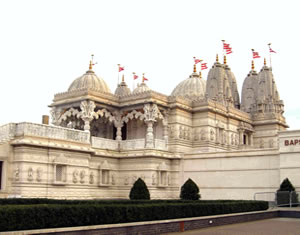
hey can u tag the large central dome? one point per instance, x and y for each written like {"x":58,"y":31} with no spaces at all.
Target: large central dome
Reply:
{"x":192,"y":88}
{"x":89,"y":80}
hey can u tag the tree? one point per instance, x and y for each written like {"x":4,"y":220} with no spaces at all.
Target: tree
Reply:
{"x":139,"y":191}
{"x":189,"y":191}
{"x":286,"y":193}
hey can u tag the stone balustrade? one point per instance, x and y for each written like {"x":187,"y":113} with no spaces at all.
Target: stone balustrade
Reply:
{"x":12,"y":130}
{"x":132,"y":144}
{"x":103,"y":143}
{"x":7,"y":131}
{"x":160,"y":144}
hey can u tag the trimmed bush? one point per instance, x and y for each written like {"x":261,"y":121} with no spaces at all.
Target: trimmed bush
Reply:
{"x":189,"y":191}
{"x":139,"y":191}
{"x":39,"y":216}
{"x":285,"y":193}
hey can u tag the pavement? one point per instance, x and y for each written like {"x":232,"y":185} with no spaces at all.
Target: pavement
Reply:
{"x":275,"y":226}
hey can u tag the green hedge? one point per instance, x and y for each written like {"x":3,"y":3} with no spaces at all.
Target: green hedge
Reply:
{"x":41,"y":215}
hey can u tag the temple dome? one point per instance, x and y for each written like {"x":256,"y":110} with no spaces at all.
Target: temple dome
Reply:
{"x":191,"y":88}
{"x":141,"y":88}
{"x":122,"y":89}
{"x":89,"y":80}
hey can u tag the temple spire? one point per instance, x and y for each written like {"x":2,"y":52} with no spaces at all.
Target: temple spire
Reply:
{"x":195,"y":70}
{"x":252,"y":65}
{"x":217,"y":58}
{"x":265,"y":62}
{"x":123,"y":78}
{"x":225,"y":61}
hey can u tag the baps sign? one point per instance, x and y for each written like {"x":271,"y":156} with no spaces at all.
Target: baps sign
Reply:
{"x":291,"y":142}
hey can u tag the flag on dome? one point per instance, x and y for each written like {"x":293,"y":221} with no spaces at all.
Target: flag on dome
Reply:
{"x":135,"y":76}
{"x":197,"y":60}
{"x":228,"y":51}
{"x":144,"y":79}
{"x":226,"y":47}
{"x":120,"y":68}
{"x":270,"y":49}
{"x":204,"y":66}
{"x":255,"y":54}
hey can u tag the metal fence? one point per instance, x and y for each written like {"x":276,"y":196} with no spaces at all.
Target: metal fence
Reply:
{"x":281,"y":198}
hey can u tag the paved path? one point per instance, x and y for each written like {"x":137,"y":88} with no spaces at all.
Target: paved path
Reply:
{"x":276,"y":226}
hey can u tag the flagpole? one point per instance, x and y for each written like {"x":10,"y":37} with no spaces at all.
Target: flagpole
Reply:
{"x":223,"y":48}
{"x":118,"y":74}
{"x":270,"y":56}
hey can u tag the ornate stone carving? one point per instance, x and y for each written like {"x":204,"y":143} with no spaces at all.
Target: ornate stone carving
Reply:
{"x":17,"y":174}
{"x":154,"y":179}
{"x":92,"y":178}
{"x":261,"y":143}
{"x":143,"y":177}
{"x":87,"y":113}
{"x":39,"y":174}
{"x":30,"y":174}
{"x":75,"y":176}
{"x":82,"y":176}
{"x":126,"y":180}
{"x":55,"y":115}
{"x":212,"y":135}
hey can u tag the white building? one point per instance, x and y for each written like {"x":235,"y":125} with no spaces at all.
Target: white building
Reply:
{"x":99,"y":143}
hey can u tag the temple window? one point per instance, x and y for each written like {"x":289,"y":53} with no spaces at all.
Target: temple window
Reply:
{"x":60,"y":172}
{"x":104,"y":174}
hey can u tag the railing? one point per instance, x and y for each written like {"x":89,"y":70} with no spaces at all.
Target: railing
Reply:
{"x":280,"y":198}
{"x":160,"y":144}
{"x":31,"y":129}
{"x":132,"y":144}
{"x":103,"y":143}
{"x":7,"y":131}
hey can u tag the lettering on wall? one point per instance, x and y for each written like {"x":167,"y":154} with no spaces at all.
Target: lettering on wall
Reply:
{"x":292,"y":142}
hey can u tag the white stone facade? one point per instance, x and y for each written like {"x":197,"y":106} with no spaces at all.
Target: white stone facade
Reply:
{"x":100,"y":143}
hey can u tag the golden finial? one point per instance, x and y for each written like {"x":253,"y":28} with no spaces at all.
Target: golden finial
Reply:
{"x":195,"y":70}
{"x":123,"y":78}
{"x":91,"y":62}
{"x":252,"y":66}
{"x":225,"y":59}
{"x":265,"y":62}
{"x":217,"y":58}
{"x":200,"y":74}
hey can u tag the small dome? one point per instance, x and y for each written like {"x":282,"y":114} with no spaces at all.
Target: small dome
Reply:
{"x":122,"y":89}
{"x":89,"y":80}
{"x":191,"y":88}
{"x":141,"y":88}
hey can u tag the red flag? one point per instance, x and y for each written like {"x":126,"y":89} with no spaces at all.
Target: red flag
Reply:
{"x":226,"y":46}
{"x":271,"y":51}
{"x":228,"y":50}
{"x":255,"y":54}
{"x":197,"y":60}
{"x":135,"y":76}
{"x":121,"y":68}
{"x":203,"y":66}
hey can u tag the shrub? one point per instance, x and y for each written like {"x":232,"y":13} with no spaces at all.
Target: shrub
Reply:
{"x":189,"y":191}
{"x":284,"y":193}
{"x":139,"y":191}
{"x":39,"y":216}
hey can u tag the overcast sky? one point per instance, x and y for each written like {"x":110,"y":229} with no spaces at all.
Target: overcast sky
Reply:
{"x":45,"y":45}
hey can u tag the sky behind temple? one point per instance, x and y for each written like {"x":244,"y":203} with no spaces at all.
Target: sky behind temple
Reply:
{"x":45,"y":45}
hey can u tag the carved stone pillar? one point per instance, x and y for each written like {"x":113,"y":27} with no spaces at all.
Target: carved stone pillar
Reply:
{"x":241,"y":137}
{"x":149,"y":135}
{"x":87,"y":112}
{"x":119,"y":133}
{"x":251,"y":139}
{"x":166,"y":132}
